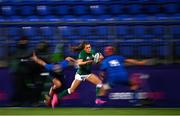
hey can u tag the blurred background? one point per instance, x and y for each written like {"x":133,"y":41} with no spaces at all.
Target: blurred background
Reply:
{"x":141,"y":29}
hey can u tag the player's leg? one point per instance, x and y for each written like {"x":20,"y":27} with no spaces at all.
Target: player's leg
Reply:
{"x":56,"y":84}
{"x":134,"y":87}
{"x":100,"y":91}
{"x":73,"y":87}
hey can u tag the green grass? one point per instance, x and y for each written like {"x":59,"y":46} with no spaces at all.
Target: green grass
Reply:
{"x":90,"y":111}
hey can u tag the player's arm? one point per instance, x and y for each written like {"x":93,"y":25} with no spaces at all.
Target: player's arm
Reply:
{"x":38,"y":60}
{"x":70,"y":59}
{"x":81,"y":62}
{"x":101,"y":75}
{"x":136,"y":62}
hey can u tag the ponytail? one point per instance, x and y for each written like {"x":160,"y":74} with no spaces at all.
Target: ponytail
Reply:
{"x":80,"y":47}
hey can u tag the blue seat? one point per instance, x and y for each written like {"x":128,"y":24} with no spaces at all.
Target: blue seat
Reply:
{"x":13,"y":31}
{"x":116,"y":9}
{"x":171,"y":8}
{"x":124,"y":18}
{"x":143,"y":32}
{"x":175,"y":30}
{"x":160,"y":32}
{"x":32,"y":18}
{"x":8,"y":10}
{"x":124,"y":32}
{"x":102,"y":31}
{"x":134,"y":9}
{"x":2,"y":19}
{"x":139,"y":32}
{"x":152,"y":8}
{"x":47,"y":32}
{"x":50,"y":18}
{"x":163,"y":50}
{"x":3,"y":52}
{"x":27,"y":10}
{"x":84,"y":31}
{"x":162,"y":17}
{"x":74,"y":33}
{"x":15,"y":19}
{"x":70,"y":18}
{"x":3,"y":31}
{"x":145,"y":50}
{"x":143,"y":17}
{"x":80,"y":9}
{"x":89,"y":18}
{"x":121,"y":31}
{"x":175,"y":16}
{"x":43,"y":10}
{"x":127,"y":49}
{"x":29,"y":31}
{"x":106,"y":18}
{"x":64,"y":31}
{"x":93,"y":33}
{"x":62,"y":10}
{"x":97,"y":9}
{"x":177,"y":49}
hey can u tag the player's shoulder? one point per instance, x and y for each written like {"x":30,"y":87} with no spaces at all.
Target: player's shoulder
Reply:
{"x":82,"y":54}
{"x":115,"y":57}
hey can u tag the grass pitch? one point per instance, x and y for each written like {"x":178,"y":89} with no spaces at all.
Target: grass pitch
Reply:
{"x":90,"y":111}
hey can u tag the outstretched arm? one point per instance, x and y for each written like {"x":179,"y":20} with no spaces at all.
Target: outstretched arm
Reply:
{"x":136,"y":62}
{"x":38,"y":60}
{"x":70,"y":59}
{"x":81,"y":62}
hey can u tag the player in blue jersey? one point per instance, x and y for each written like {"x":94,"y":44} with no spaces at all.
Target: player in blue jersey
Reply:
{"x":56,"y":73}
{"x":112,"y":66}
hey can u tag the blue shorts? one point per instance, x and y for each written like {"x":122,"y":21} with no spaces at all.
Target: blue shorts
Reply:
{"x":117,"y":80}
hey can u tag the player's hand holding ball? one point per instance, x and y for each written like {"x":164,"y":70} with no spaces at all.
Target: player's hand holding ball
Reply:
{"x":98,"y":57}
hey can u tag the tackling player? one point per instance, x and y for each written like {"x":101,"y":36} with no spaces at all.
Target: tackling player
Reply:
{"x":56,"y":73}
{"x":113,"y":68}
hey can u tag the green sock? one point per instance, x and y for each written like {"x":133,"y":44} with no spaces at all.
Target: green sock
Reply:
{"x":97,"y":91}
{"x":62,"y":94}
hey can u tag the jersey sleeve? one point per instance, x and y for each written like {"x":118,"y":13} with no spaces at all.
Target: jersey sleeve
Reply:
{"x":48,"y":67}
{"x":93,"y":52}
{"x":64,"y":64}
{"x":81,"y":55}
{"x":103,"y":65}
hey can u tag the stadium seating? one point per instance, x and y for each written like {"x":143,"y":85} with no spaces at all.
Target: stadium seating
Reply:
{"x":175,"y":31}
{"x":177,"y":50}
{"x":43,"y":10}
{"x":8,"y":10}
{"x":29,"y":31}
{"x":145,"y":50}
{"x":127,"y":49}
{"x":163,"y":50}
{"x":122,"y":20}
{"x":97,"y":9}
{"x":27,"y":10}
{"x":80,"y":10}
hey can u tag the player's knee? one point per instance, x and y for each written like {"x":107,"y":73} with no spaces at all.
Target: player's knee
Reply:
{"x":99,"y":85}
{"x":70,"y":91}
{"x":57,"y":83}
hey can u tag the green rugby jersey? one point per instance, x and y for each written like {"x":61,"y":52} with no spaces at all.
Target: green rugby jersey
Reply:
{"x":85,"y":69}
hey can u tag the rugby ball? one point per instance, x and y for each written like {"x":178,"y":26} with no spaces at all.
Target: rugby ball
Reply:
{"x":96,"y":57}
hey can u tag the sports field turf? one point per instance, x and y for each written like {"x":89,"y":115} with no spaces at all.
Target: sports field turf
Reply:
{"x":90,"y":111}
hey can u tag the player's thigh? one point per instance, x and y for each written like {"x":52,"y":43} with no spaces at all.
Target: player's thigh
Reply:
{"x":94,"y":79}
{"x":75,"y":84}
{"x":57,"y":82}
